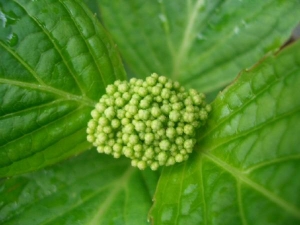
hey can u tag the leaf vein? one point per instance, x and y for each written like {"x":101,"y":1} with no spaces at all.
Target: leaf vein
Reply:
{"x":57,"y":48}
{"x":292,"y":209}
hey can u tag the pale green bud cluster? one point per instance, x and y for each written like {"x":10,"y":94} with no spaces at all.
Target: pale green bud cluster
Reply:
{"x":152,"y":122}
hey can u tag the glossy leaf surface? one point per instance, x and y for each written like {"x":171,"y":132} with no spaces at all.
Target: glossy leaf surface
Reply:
{"x":88,"y":189}
{"x":56,"y":60}
{"x":245,"y":169}
{"x":203,"y":44}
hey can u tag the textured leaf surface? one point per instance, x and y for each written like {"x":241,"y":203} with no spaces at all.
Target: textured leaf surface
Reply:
{"x":204,"y":44}
{"x":56,"y":60}
{"x":88,"y":189}
{"x":245,"y":169}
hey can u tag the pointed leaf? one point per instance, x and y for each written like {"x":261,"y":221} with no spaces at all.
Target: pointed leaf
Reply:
{"x":203,"y":44}
{"x":56,"y":60}
{"x":102,"y":191}
{"x":246,"y":165}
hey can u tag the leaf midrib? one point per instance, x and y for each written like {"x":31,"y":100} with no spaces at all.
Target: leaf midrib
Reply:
{"x":292,"y":209}
{"x":56,"y":47}
{"x":65,"y":95}
{"x":228,"y":139}
{"x":245,"y":103}
{"x":187,"y":39}
{"x":119,"y":185}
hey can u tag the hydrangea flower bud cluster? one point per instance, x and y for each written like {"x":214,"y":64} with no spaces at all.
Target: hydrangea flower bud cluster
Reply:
{"x":152,"y":122}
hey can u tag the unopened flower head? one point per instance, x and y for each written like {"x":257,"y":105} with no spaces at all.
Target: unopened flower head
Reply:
{"x":153,"y":122}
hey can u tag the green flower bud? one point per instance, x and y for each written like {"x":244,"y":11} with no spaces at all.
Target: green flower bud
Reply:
{"x":127,"y":151}
{"x":179,"y":158}
{"x":123,"y":87}
{"x":174,"y":116}
{"x":115,"y":123}
{"x":137,"y":147}
{"x":151,"y":81}
{"x":152,"y":122}
{"x":110,"y":112}
{"x":171,"y":132}
{"x":117,"y":148}
{"x":154,"y":166}
{"x":120,"y":102}
{"x":162,"y":157}
{"x":156,"y":125}
{"x":107,"y":149}
{"x":155,"y":112}
{"x":149,"y":137}
{"x":149,"y":153}
{"x":133,"y":139}
{"x":111,"y":89}
{"x":141,"y":165}
{"x":164,"y":145}
{"x":188,"y":129}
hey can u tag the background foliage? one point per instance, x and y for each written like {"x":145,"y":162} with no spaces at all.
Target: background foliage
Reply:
{"x":56,"y":57}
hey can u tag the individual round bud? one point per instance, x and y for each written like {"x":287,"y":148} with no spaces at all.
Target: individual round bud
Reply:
{"x":171,"y":132}
{"x":119,"y":102}
{"x":149,"y":153}
{"x":165,"y":93}
{"x":127,"y":151}
{"x":149,"y":137}
{"x":133,"y":139}
{"x":107,"y":129}
{"x":91,"y":138}
{"x":117,"y":148}
{"x":188,"y":129}
{"x":156,"y":90}
{"x":151,"y":81}
{"x":189,"y":143}
{"x":188,"y":117}
{"x":115,"y":123}
{"x":174,"y":116}
{"x":141,"y":165}
{"x":95,"y":114}
{"x":142,"y":91}
{"x":171,"y":161}
{"x":138,"y":148}
{"x":203,"y":115}
{"x":144,"y":114}
{"x":144,"y":103}
{"x":123,"y":87}
{"x":128,"y":128}
{"x":125,"y":121}
{"x":100,"y":107}
{"x":154,"y":166}
{"x":116,"y":155}
{"x":179,"y":158}
{"x":156,"y":125}
{"x":155,"y":112}
{"x":110,"y":112}
{"x":164,"y":145}
{"x":101,"y":138}
{"x":111,"y":89}
{"x":166,"y":109}
{"x":140,"y":126}
{"x":107,"y":149}
{"x":177,"y":106}
{"x":162,"y":79}
{"x":162,"y":157}
{"x":100,"y":149}
{"x":169,"y":85}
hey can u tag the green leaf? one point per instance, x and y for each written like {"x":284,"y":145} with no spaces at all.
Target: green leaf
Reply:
{"x":56,"y":60}
{"x":245,"y":169}
{"x":88,"y":189}
{"x":203,"y":44}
